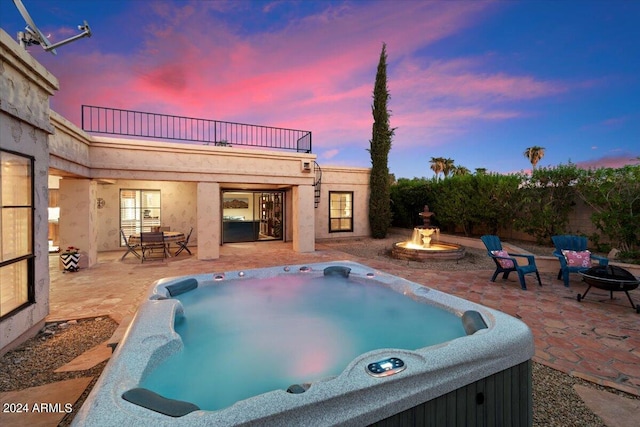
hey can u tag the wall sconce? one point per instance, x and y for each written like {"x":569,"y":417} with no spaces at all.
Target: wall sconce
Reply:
{"x":101,"y":202}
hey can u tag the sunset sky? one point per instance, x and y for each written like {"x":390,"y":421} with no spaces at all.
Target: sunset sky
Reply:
{"x":474,"y":81}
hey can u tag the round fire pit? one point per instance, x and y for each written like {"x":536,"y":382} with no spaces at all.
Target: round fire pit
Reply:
{"x":610,"y":278}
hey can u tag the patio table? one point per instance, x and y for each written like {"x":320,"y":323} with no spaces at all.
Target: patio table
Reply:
{"x":169,"y":237}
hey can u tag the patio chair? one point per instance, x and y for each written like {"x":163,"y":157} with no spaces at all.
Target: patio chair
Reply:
{"x":506,"y":262}
{"x":183,"y":244}
{"x":131,"y":248}
{"x":573,"y":255}
{"x":153,"y":246}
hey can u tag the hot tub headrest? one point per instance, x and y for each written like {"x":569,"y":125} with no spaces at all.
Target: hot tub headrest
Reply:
{"x":153,"y":401}
{"x":182,"y":286}
{"x":472,"y":322}
{"x":337,"y":270}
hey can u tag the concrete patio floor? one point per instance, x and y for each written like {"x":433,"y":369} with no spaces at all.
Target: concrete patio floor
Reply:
{"x":597,"y":339}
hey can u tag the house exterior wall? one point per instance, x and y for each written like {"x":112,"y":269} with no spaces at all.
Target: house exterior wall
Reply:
{"x":69,"y":148}
{"x":178,"y":208}
{"x":114,"y":158}
{"x":179,"y":171}
{"x":25,"y":88}
{"x":344,"y":179}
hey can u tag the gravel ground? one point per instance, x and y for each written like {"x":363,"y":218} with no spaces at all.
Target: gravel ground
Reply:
{"x":32,"y":364}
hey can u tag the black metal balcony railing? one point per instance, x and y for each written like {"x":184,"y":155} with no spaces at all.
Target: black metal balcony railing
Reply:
{"x":113,"y":121}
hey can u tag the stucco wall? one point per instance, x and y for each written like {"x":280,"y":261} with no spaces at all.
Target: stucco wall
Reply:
{"x":302,"y":218}
{"x":114,"y":158}
{"x":209,"y":225}
{"x":69,"y":147}
{"x":344,"y":179}
{"x":178,"y":208}
{"x":80,"y":226}
{"x":25,"y":88}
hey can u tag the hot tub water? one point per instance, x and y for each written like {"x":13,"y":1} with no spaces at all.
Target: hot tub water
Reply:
{"x":244,"y":337}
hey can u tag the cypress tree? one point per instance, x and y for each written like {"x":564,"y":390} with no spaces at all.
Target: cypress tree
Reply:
{"x":379,"y":185}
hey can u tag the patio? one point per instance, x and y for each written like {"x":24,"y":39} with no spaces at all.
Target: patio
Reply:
{"x":596,"y":340}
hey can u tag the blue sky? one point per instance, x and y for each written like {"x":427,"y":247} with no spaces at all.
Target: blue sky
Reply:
{"x":474,"y":81}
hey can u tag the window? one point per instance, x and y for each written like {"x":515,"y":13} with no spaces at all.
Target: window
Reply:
{"x":139,"y":211}
{"x":16,"y":232}
{"x":340,"y":211}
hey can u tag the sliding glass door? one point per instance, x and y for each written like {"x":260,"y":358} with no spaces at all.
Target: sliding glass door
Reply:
{"x":251,"y":216}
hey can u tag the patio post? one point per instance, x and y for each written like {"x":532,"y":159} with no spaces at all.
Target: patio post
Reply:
{"x":303,"y":219}
{"x":79,"y":218}
{"x":209,"y":220}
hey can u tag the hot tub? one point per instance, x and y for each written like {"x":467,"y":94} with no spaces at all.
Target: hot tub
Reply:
{"x":462,"y":363}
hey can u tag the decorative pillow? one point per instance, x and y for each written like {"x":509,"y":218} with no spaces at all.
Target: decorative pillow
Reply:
{"x":577,"y":258}
{"x":504,"y":263}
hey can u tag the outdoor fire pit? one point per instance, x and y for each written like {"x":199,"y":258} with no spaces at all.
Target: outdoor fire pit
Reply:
{"x":610,"y":278}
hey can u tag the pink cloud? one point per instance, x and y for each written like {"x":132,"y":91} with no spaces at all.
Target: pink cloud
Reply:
{"x":615,"y":121}
{"x":609,"y":162}
{"x":316,"y":73}
{"x":329,"y":154}
{"x":455,"y":80}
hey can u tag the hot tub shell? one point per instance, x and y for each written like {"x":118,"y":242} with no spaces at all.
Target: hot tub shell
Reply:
{"x":480,"y":379}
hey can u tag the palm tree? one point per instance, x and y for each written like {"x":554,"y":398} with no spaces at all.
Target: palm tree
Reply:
{"x":534,"y":154}
{"x":447,"y":167}
{"x":437,"y":165}
{"x":461,"y":170}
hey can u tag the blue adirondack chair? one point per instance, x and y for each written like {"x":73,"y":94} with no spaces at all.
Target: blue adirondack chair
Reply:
{"x":493,"y":244}
{"x":572,"y":243}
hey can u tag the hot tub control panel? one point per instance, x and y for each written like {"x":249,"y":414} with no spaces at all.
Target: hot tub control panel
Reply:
{"x":386,"y":367}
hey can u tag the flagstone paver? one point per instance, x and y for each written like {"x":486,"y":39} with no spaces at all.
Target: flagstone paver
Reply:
{"x":88,"y":359}
{"x":614,"y":410}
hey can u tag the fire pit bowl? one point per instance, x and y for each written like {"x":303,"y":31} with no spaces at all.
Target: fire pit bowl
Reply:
{"x":610,"y":278}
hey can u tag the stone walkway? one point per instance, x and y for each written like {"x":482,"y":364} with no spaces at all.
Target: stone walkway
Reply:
{"x":597,"y":339}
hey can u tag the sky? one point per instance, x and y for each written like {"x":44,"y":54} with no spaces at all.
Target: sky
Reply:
{"x":475,"y":81}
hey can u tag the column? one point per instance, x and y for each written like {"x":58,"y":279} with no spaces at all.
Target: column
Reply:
{"x":208,"y":220}
{"x":78,"y":218}
{"x":304,"y":235}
